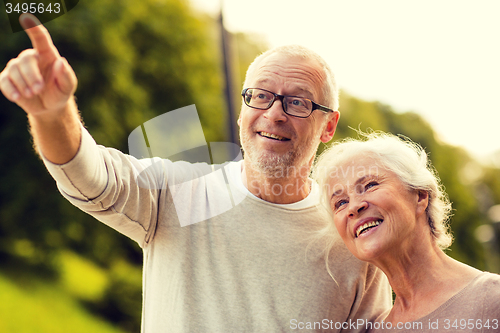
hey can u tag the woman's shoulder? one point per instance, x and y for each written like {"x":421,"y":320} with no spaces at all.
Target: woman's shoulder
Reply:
{"x":485,"y":289}
{"x":485,"y":279}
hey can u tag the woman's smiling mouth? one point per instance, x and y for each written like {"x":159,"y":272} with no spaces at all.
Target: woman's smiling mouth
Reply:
{"x":367,"y":226}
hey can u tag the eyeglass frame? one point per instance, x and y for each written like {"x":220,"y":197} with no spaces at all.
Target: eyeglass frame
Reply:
{"x":315,"y":106}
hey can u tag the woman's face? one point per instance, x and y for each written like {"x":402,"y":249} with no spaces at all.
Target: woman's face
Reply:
{"x":374,"y":212}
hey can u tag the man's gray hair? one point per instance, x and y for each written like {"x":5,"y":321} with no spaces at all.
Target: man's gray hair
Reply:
{"x":330,"y":90}
{"x":407,"y":159}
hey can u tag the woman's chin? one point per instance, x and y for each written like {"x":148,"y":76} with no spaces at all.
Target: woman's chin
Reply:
{"x":368,"y":250}
{"x":370,"y":245}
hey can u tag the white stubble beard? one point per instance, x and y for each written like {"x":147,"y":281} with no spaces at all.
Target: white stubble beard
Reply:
{"x":274,"y":165}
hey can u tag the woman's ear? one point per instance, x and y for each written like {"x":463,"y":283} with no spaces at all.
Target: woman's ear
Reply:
{"x":422,"y":202}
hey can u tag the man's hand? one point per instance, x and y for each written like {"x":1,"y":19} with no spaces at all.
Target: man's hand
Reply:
{"x":39,"y":80}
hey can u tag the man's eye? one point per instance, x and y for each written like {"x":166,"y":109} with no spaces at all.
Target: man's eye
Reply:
{"x":261,"y":96}
{"x":297,"y":102}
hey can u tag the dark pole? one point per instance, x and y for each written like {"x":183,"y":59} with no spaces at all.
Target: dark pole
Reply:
{"x":226,"y":58}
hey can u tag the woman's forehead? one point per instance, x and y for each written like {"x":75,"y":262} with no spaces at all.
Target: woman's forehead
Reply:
{"x":353,"y":172}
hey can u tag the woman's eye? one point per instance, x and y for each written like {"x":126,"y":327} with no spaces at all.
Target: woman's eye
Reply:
{"x":340,"y":203}
{"x":370,"y":185}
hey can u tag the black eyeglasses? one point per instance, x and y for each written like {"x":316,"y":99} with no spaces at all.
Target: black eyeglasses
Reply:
{"x":292,"y":105}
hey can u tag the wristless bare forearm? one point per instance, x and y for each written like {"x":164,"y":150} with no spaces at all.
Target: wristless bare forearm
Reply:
{"x":57,"y":135}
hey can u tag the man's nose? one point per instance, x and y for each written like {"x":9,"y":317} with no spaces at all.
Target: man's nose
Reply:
{"x":276,"y":113}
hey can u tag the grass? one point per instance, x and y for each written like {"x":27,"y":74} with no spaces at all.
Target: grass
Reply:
{"x":40,"y":306}
{"x":80,"y":277}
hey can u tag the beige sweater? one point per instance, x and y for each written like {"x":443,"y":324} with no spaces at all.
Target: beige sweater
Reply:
{"x":217,"y":259}
{"x":476,"y":308}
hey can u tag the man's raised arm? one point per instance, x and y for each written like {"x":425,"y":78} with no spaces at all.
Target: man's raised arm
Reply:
{"x":42,"y":83}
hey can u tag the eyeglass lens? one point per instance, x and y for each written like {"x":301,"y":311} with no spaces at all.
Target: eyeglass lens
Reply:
{"x":263,"y":99}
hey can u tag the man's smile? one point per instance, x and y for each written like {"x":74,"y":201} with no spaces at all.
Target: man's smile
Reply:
{"x":273,"y":136}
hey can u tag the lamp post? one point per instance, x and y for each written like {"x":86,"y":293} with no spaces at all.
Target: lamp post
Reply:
{"x":228,"y":75}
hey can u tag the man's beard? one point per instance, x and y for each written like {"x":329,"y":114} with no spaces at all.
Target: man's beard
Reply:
{"x":275,"y":165}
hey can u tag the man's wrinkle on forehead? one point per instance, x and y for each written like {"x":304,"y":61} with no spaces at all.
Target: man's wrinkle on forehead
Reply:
{"x":308,"y":67}
{"x":305,"y":80}
{"x":303,"y":73}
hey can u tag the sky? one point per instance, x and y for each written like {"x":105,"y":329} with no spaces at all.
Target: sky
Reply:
{"x":437,"y":58}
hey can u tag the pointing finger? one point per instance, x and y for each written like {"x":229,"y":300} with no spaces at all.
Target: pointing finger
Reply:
{"x":39,"y":36}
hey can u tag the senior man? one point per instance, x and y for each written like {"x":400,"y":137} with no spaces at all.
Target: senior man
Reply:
{"x":256,"y":267}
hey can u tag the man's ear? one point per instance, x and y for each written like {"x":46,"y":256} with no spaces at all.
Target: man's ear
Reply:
{"x":330,"y":127}
{"x":422,"y":202}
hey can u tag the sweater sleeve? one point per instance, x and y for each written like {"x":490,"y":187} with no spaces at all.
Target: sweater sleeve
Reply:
{"x":373,"y":298}
{"x":115,"y":188}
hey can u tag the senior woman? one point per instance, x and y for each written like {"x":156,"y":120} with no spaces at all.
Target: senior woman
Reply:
{"x":390,"y":209}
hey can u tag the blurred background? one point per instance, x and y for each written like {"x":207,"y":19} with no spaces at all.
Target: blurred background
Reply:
{"x":427,"y":70}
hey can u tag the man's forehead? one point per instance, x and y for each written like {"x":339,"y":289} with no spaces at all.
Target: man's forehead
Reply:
{"x":296,"y":87}
{"x":286,"y":63}
{"x":294,"y":73}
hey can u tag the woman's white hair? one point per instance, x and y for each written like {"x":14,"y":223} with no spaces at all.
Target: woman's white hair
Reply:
{"x":407,"y":159}
{"x":330,"y":91}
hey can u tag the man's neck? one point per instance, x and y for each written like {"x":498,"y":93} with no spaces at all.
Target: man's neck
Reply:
{"x":283,"y":186}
